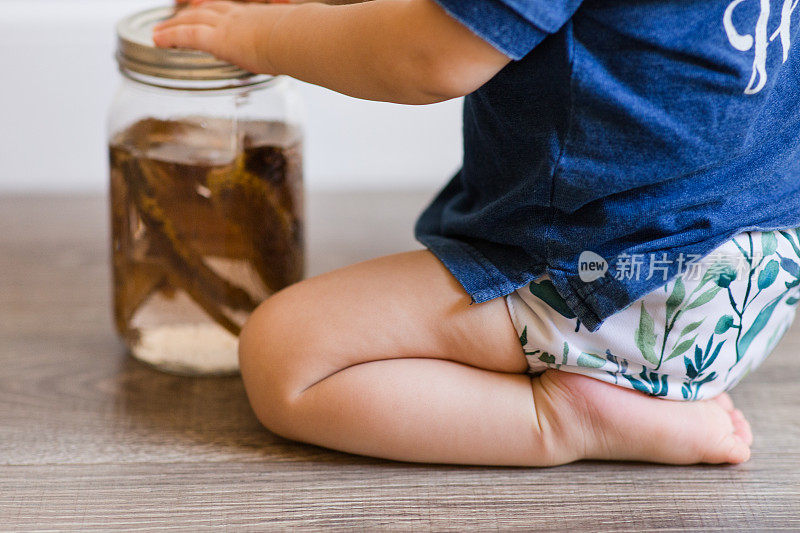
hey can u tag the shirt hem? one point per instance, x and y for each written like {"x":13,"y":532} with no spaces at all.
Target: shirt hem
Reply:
{"x":497,"y":24}
{"x":459,"y":257}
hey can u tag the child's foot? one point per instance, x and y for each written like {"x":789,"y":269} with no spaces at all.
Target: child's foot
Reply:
{"x":592,"y":419}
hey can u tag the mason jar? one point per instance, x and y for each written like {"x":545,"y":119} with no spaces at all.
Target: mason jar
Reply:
{"x":206,"y":197}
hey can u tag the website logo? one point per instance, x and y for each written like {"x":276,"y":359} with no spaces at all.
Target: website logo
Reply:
{"x":591,"y":266}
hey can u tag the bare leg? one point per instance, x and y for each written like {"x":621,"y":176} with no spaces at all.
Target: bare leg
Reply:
{"x":387,"y":358}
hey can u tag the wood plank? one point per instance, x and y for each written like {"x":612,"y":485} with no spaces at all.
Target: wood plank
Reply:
{"x":369,"y":495}
{"x":90,"y":439}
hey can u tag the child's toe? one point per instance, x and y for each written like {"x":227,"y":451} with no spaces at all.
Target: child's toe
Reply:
{"x":733,"y":450}
{"x":728,"y":439}
{"x":725,"y":401}
{"x":741,"y":427}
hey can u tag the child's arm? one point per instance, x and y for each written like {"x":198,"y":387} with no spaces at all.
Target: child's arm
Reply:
{"x":404,"y":51}
{"x":329,"y":2}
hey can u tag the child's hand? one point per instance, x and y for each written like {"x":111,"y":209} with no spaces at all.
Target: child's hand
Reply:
{"x":336,"y":2}
{"x":198,"y":2}
{"x":403,"y":51}
{"x":231,"y":31}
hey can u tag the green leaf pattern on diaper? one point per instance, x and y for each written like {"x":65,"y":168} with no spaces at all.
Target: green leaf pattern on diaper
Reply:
{"x":588,"y":360}
{"x":645,"y":336}
{"x":544,"y":357}
{"x":697,"y":368}
{"x":546,"y":291}
{"x":748,"y":295}
{"x":745,"y":321}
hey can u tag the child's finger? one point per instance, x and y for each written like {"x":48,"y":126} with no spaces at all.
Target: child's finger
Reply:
{"x":195,"y":36}
{"x":192,"y":16}
{"x":221,"y":5}
{"x":195,"y":2}
{"x":215,"y":5}
{"x":199,"y":2}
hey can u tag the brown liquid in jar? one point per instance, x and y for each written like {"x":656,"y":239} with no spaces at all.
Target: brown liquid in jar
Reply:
{"x":207,"y":221}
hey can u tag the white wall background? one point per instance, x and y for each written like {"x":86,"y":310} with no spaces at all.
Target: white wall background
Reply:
{"x":57,"y":78}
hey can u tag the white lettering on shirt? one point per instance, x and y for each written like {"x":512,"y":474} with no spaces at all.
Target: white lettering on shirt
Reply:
{"x":759,"y":39}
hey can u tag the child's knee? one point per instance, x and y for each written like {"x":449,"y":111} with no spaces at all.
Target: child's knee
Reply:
{"x":272,"y":329}
{"x":267,"y":344}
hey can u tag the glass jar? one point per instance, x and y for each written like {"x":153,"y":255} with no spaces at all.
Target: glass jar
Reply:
{"x":206,"y":200}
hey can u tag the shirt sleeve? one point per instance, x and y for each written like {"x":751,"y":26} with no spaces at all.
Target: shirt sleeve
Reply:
{"x":514,"y":27}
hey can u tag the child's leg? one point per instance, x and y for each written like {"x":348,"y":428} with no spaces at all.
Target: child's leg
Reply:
{"x":387,"y":358}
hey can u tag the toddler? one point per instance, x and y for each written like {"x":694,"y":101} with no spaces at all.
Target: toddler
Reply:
{"x":618,"y":250}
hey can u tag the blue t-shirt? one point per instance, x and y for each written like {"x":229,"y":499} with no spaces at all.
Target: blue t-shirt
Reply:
{"x":627,"y":139}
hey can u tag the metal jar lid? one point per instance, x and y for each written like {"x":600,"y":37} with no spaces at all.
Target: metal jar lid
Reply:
{"x":136,"y":53}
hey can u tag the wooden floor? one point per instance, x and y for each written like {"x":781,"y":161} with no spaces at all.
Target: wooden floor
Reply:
{"x":92,"y":439}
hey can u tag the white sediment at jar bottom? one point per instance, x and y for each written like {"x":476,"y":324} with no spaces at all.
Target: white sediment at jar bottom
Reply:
{"x":188,"y":349}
